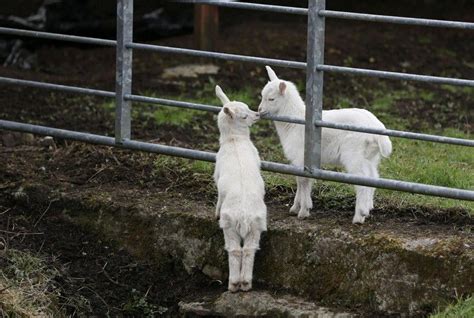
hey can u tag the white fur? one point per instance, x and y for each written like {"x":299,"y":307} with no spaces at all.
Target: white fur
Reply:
{"x":358,"y":153}
{"x":240,"y":207}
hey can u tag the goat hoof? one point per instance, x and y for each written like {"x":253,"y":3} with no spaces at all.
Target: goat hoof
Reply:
{"x":294,"y":209}
{"x":245,"y":286}
{"x":303,"y":214}
{"x":358,"y":219}
{"x":234,"y":287}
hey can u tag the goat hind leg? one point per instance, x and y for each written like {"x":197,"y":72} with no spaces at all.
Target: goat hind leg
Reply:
{"x":373,"y":174}
{"x":251,"y":245}
{"x":364,"y":195}
{"x":363,"y":203}
{"x":234,"y":250}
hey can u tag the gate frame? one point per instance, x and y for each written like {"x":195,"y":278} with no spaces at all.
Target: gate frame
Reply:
{"x":313,"y":120}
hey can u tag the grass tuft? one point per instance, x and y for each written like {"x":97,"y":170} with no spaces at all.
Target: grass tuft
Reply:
{"x":463,"y":308}
{"x":27,"y":286}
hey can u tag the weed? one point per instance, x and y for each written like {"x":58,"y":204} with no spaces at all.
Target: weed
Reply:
{"x":139,"y":305}
{"x":424,"y":40}
{"x":463,"y":308}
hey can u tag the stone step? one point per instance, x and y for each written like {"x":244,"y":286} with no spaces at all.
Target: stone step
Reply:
{"x":395,"y":265}
{"x":256,"y":304}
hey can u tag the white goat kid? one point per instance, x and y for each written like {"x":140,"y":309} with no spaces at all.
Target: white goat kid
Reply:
{"x":240,"y":207}
{"x":358,"y":153}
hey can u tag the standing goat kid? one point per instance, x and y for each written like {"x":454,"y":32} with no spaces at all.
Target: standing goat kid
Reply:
{"x":358,"y":153}
{"x":240,"y":208}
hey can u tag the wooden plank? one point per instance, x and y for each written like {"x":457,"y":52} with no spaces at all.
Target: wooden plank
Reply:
{"x":206,"y":26}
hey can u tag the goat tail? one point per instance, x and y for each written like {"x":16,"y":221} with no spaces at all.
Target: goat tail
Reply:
{"x":385,"y":146}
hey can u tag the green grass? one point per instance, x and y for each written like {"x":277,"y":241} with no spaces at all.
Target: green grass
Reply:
{"x":459,"y":90}
{"x":138,"y":305}
{"x":429,"y":163}
{"x":161,"y":115}
{"x":414,"y":161}
{"x":463,"y":308}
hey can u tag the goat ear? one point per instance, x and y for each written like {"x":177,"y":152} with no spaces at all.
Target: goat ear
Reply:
{"x":271,"y":73}
{"x":228,"y":112}
{"x":220,"y":94}
{"x":282,"y":88}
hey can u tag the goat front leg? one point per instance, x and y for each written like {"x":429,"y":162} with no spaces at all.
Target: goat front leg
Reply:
{"x":306,"y":202}
{"x":218,"y":206}
{"x":234,"y":250}
{"x":251,"y":245}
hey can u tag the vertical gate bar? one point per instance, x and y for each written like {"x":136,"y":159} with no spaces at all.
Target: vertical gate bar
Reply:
{"x":314,"y":84}
{"x":123,"y":75}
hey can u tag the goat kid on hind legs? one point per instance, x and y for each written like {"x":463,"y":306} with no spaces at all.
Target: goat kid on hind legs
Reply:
{"x":358,"y":153}
{"x":240,"y":207}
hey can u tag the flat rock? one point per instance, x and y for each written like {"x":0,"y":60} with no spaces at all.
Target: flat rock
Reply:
{"x":190,"y":71}
{"x":257,"y":304}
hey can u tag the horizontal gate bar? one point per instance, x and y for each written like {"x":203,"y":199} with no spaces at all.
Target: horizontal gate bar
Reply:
{"x":57,"y":36}
{"x":216,"y":109}
{"x":243,"y":58}
{"x":257,"y":6}
{"x":396,"y":75}
{"x":346,"y":15}
{"x":295,"y":120}
{"x":225,"y":56}
{"x":398,"y":133}
{"x":396,"y":20}
{"x":269,"y":166}
{"x":65,"y":88}
{"x":172,"y":103}
{"x":302,"y":65}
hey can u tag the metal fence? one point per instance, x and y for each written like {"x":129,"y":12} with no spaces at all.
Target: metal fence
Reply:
{"x":315,"y":69}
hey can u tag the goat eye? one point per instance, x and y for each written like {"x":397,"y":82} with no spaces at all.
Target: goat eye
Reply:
{"x":271,"y":99}
{"x":245,"y":116}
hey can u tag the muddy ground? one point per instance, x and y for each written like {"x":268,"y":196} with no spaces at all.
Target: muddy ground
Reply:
{"x":106,"y":275}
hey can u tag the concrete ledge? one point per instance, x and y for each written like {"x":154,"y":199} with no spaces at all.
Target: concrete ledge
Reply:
{"x":388,"y":267}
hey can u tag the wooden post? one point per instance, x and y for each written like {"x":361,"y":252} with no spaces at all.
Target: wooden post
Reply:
{"x":206,"y":26}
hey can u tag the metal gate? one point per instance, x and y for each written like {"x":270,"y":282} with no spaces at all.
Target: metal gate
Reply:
{"x":315,"y":69}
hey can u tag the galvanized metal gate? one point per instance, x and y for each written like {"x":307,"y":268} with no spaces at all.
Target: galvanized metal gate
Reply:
{"x":315,"y":69}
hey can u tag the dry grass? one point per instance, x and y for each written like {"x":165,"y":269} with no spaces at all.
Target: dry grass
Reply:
{"x":27,"y":287}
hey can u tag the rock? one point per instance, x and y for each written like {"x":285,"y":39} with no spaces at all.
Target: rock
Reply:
{"x":13,"y":138}
{"x":213,"y":272}
{"x":48,"y":141}
{"x":190,"y":71}
{"x":8,"y":140}
{"x":28,"y":139}
{"x":258,"y":304}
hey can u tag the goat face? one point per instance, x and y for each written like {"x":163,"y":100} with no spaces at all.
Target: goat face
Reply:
{"x":273,"y":94}
{"x":235,"y":114}
{"x":238,"y":114}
